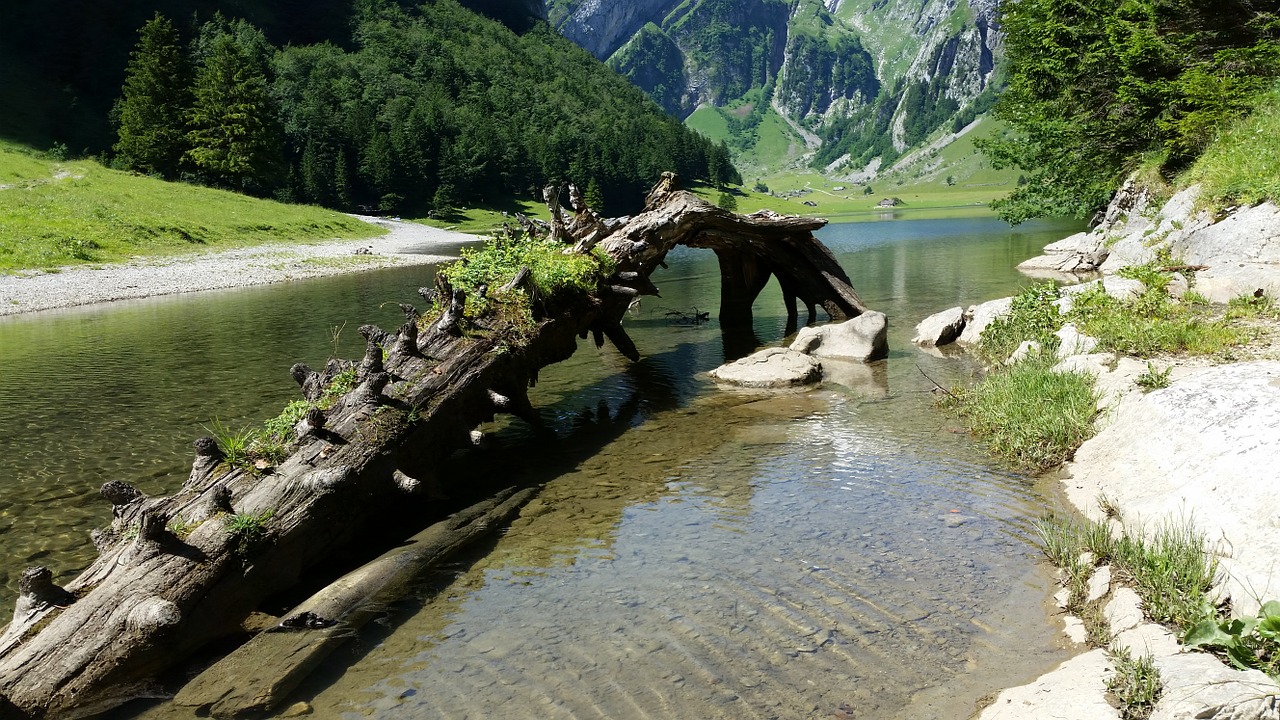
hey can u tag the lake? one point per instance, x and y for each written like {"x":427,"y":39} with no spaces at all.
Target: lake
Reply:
{"x":845,"y":552}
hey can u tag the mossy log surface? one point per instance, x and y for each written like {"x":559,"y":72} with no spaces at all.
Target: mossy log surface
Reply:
{"x":156,"y":595}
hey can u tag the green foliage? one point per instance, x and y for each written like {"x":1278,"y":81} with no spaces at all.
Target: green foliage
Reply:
{"x":282,"y":425}
{"x":1247,"y":642}
{"x":181,"y":527}
{"x":247,"y":530}
{"x":1152,"y":324}
{"x":234,"y":444}
{"x":554,"y":272}
{"x":1171,"y":572}
{"x":1135,"y":684}
{"x":342,"y":383}
{"x":653,"y":61}
{"x":1252,"y":306}
{"x":727,"y":201}
{"x":1093,"y":86}
{"x":78,"y":212}
{"x":1032,"y":316}
{"x":1242,"y":165}
{"x":1029,"y":414}
{"x":1154,"y":378}
{"x":825,"y":66}
{"x":234,"y":135}
{"x":150,"y":115}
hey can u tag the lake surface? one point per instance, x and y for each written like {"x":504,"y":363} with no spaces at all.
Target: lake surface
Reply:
{"x":694,"y":553}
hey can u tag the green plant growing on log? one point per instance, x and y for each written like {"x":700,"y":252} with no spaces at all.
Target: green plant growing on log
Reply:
{"x":234,"y":444}
{"x":181,"y":527}
{"x":247,"y":529}
{"x":282,"y":425}
{"x":1247,"y":642}
{"x":554,"y":271}
{"x":342,"y":383}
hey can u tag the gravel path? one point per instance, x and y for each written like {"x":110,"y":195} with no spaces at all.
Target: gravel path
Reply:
{"x":405,"y":244}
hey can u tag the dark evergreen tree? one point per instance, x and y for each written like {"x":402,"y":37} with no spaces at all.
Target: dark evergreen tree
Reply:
{"x":234,"y":134}
{"x":150,"y":115}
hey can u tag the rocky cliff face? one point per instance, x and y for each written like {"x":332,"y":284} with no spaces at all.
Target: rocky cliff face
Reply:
{"x":829,"y":68}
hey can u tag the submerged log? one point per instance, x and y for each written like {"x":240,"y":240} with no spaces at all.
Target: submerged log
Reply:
{"x":178,"y":572}
{"x":260,"y":674}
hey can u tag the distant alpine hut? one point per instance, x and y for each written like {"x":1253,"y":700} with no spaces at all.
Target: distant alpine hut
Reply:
{"x":889,"y":203}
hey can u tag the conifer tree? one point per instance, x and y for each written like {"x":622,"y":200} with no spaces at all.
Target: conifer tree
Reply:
{"x":150,"y":115}
{"x":234,"y":133}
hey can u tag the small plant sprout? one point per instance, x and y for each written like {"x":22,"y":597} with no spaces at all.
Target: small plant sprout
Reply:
{"x":335,"y":338}
{"x":1109,"y":507}
{"x":1135,"y":685}
{"x":1154,"y":378}
{"x":234,"y":444}
{"x":247,"y":529}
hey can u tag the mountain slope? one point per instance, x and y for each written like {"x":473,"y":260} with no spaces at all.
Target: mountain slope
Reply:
{"x":836,"y":82}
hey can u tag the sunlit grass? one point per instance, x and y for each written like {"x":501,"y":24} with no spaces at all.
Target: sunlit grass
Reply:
{"x":67,"y":213}
{"x":1242,"y":165}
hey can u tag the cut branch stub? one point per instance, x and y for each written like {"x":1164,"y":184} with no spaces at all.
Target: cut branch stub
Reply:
{"x":450,"y":321}
{"x":407,"y":339}
{"x":375,"y":334}
{"x":120,"y":493}
{"x":309,"y":380}
{"x":311,"y":423}
{"x":372,"y":362}
{"x":36,"y":588}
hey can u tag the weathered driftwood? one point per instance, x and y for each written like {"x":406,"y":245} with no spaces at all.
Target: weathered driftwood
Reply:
{"x":177,"y":572}
{"x":260,"y":674}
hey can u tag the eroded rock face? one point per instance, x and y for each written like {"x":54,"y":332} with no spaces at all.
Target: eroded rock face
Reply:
{"x":864,"y":338}
{"x":1203,"y":449}
{"x":770,"y":368}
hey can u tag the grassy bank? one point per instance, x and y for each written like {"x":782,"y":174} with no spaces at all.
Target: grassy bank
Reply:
{"x":56,"y":213}
{"x":1036,"y":415}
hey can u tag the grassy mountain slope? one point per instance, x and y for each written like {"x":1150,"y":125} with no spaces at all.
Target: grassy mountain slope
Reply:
{"x":55,"y":213}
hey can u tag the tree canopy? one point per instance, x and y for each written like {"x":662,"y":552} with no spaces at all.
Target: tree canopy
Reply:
{"x":1097,"y":86}
{"x":429,"y":106}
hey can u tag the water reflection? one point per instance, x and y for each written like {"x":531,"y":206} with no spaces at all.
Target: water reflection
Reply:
{"x":694,"y":553}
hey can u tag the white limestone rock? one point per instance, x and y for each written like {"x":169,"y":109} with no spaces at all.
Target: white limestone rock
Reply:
{"x":1123,"y":611}
{"x":1080,"y":253}
{"x":940,"y":328}
{"x":1099,"y":584}
{"x":1075,"y":690}
{"x":864,"y":338}
{"x":1199,"y":687}
{"x":978,"y":317}
{"x":1095,"y":364}
{"x":1024,"y":350}
{"x":1074,"y":342}
{"x":1148,"y":639}
{"x":1203,"y":449}
{"x":770,"y":368}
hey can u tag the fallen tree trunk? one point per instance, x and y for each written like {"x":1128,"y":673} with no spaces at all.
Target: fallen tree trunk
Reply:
{"x":260,"y":674}
{"x":177,"y":572}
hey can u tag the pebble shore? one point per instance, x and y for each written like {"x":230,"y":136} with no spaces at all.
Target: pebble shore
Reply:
{"x":405,"y":244}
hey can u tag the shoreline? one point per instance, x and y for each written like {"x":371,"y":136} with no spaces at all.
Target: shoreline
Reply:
{"x":405,"y":244}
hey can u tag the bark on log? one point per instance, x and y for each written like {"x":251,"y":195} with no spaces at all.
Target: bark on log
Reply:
{"x":260,"y":674}
{"x":155,"y":596}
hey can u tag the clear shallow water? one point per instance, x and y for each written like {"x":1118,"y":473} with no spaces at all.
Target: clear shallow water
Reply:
{"x":695,"y":553}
